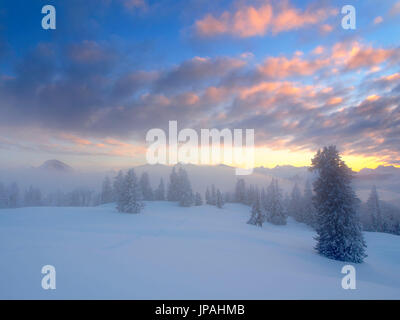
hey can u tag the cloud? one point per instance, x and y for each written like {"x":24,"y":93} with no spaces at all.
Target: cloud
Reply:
{"x":249,"y":21}
{"x":90,"y":102}
{"x":245,"y":22}
{"x":282,"y":67}
{"x":318,"y":50}
{"x":135,"y":4}
{"x":378,"y":20}
{"x":326,"y":28}
{"x":395,"y":10}
{"x":196,"y":71}
{"x":369,"y":57}
{"x":335,"y":100}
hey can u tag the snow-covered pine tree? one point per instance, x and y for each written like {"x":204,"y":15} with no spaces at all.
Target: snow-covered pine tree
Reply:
{"x":339,"y":234}
{"x":186,"y":197}
{"x":250,"y":195}
{"x":198,"y":201}
{"x":173,"y":186}
{"x":3,"y":196}
{"x":208,"y":196}
{"x":13,"y":198}
{"x":257,"y":217}
{"x":286,"y":202}
{"x":146,"y":187}
{"x":374,"y":210}
{"x":295,"y":204}
{"x":132,"y":194}
{"x":213,"y":197}
{"x":263,"y":202}
{"x":240,"y":191}
{"x":219,"y":199}
{"x":106,"y":191}
{"x":118,"y":191}
{"x":274,"y":208}
{"x":160,"y":192}
{"x":310,"y":214}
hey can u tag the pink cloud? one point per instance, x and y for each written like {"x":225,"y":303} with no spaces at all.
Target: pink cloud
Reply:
{"x":75,"y":139}
{"x":282,"y":67}
{"x":134,"y":4}
{"x":369,"y":57}
{"x":395,"y":10}
{"x":88,"y":52}
{"x":248,"y":21}
{"x":378,"y":20}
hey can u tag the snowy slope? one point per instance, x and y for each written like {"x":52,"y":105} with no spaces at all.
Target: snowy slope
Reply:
{"x":169,"y":252}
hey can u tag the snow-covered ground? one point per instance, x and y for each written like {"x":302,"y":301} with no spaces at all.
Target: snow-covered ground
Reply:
{"x":169,"y":252}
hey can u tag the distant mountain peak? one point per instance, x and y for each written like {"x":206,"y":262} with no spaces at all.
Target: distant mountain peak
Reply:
{"x":55,"y":165}
{"x":381,"y":170}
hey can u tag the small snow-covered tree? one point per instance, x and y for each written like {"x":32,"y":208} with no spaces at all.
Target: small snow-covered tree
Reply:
{"x":213,"y":197}
{"x":132,"y":194}
{"x":208,"y":196}
{"x":107,"y":195}
{"x":240,"y":191}
{"x":275,"y":212}
{"x":257,"y":217}
{"x":250,"y":195}
{"x":339,"y":234}
{"x":263,"y":202}
{"x":219,"y":199}
{"x":186,"y":197}
{"x":295,"y":204}
{"x":374,"y":210}
{"x":13,"y":199}
{"x":160,"y":192}
{"x":119,"y":190}
{"x":146,"y":187}
{"x":198,"y":201}
{"x":3,"y":196}
{"x":173,"y":186}
{"x":309,"y":212}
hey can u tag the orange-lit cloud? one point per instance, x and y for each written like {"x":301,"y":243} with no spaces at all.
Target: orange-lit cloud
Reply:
{"x":369,"y":57}
{"x":342,"y":56}
{"x":335,"y":100}
{"x":75,"y":139}
{"x":318,"y":50}
{"x":282,"y":67}
{"x":392,"y":77}
{"x":249,"y":21}
{"x":373,"y":97}
{"x":326,"y":28}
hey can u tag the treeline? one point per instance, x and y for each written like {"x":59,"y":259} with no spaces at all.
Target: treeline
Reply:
{"x":270,"y":205}
{"x":379,"y":216}
{"x":331,"y":208}
{"x":12,"y":197}
{"x":129,"y":191}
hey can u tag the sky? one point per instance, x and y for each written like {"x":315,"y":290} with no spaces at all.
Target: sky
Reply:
{"x":87,"y":92}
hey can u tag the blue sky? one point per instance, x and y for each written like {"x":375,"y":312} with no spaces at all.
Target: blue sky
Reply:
{"x":88,"y":91}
